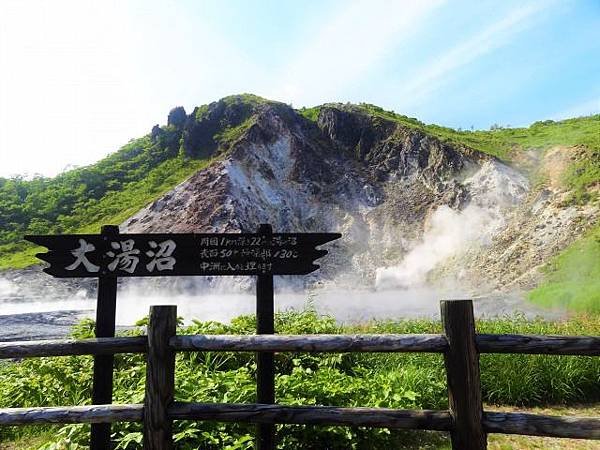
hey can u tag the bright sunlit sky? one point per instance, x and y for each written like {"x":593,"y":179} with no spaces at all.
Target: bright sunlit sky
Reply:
{"x":78,"y":79}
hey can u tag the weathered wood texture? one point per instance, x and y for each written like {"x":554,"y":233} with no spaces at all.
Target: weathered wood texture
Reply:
{"x":72,"y":414}
{"x":315,"y":415}
{"x":435,"y":343}
{"x":541,"y":345}
{"x":494,"y":422}
{"x":462,"y":372}
{"x":160,"y":378}
{"x":103,"y":364}
{"x":265,"y":366}
{"x":189,"y":254}
{"x":539,"y":425}
{"x":64,"y":347}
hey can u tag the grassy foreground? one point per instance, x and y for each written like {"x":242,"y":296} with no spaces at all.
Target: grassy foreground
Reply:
{"x":377,"y":380}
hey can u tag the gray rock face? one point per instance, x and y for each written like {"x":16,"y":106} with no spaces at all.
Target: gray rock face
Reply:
{"x":421,"y":219}
{"x":377,"y":183}
{"x":177,"y":117}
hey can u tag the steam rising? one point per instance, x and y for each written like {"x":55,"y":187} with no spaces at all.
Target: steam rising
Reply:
{"x":401,"y":290}
{"x":448,"y":233}
{"x":494,"y":189}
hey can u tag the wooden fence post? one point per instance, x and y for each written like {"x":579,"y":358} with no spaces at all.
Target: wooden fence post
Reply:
{"x":160,"y":378}
{"x":265,"y":369}
{"x":103,"y":364}
{"x":462,"y":371}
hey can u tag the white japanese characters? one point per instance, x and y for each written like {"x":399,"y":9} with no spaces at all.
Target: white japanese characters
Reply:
{"x":161,"y":255}
{"x":141,"y":255}
{"x":127,"y":259}
{"x":124,"y":256}
{"x":80,"y":258}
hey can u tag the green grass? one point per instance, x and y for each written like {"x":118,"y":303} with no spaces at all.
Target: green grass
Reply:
{"x":583,"y":176}
{"x":118,"y":206}
{"x":18,"y":256}
{"x":350,"y":379}
{"x":573,"y":277}
{"x":311,"y":114}
{"x":112,"y":208}
{"x":229,"y":135}
{"x":506,"y":143}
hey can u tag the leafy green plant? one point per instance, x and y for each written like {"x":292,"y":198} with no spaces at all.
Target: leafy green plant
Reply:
{"x":393,"y":380}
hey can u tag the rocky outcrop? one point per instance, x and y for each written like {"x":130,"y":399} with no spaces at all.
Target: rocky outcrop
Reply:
{"x":177,"y":117}
{"x":372,"y":179}
{"x":203,"y":127}
{"x":415,"y":212}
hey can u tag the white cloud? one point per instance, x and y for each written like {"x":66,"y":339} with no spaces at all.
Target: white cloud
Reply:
{"x":347,"y":47}
{"x":438,"y":71}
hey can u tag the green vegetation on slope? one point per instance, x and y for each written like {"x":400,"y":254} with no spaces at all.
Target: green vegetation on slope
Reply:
{"x":506,"y":143}
{"x":82,"y":200}
{"x":45,"y":204}
{"x":109,"y":191}
{"x":351,"y":379}
{"x":113,"y":208}
{"x":573,"y":277}
{"x":229,"y":135}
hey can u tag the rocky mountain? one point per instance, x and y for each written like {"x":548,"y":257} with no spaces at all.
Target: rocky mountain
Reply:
{"x":415,"y":207}
{"x":386,"y":186}
{"x":372,"y":180}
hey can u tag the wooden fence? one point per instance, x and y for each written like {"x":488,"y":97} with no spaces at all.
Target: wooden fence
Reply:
{"x":465,"y":419}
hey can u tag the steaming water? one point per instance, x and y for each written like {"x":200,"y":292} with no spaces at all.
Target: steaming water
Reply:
{"x":21,"y":319}
{"x":32,"y":304}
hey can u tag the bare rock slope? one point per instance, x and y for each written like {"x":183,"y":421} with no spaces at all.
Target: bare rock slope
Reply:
{"x":394,"y":192}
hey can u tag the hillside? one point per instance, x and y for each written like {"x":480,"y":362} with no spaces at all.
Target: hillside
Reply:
{"x":385,"y":180}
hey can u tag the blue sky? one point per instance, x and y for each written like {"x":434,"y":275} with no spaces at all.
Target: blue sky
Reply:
{"x":78,"y":79}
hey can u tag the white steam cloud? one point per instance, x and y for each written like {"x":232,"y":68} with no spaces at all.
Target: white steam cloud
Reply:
{"x":448,"y":233}
{"x":401,"y":291}
{"x":494,"y":188}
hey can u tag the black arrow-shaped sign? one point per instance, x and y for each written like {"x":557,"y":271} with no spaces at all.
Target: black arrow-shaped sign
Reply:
{"x":143,"y":255}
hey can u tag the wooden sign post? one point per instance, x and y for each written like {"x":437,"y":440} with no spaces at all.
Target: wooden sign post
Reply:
{"x":102,"y":385}
{"x":265,"y":369}
{"x":110,"y":255}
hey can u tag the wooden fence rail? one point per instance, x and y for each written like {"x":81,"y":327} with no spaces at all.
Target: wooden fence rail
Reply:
{"x":493,"y":422}
{"x":320,"y":343}
{"x":465,"y":419}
